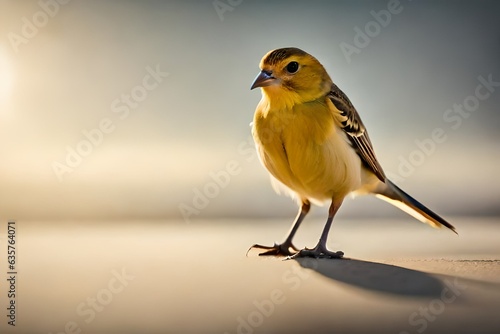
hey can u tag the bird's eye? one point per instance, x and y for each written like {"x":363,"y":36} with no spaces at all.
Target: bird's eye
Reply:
{"x":292,"y":67}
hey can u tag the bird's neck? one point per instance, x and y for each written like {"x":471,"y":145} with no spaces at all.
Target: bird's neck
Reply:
{"x":279,"y":100}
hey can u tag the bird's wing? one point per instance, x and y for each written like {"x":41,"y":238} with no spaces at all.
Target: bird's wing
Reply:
{"x":353,"y":126}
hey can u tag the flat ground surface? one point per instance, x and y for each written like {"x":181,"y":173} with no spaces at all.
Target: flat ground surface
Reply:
{"x":172,"y":277}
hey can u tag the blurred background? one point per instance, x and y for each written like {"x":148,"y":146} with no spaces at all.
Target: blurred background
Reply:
{"x":141,"y":109}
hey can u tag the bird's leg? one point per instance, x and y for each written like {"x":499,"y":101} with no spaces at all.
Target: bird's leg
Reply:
{"x":286,"y":248}
{"x":321,"y":250}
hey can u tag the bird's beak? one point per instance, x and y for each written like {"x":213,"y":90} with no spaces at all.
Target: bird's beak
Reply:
{"x":264,"y":79}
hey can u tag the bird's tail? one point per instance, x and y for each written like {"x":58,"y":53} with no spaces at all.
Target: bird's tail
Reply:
{"x":391,"y":193}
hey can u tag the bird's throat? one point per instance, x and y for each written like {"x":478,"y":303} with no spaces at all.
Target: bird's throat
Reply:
{"x":280,"y":99}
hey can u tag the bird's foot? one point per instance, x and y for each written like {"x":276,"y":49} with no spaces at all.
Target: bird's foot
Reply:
{"x":284,"y":249}
{"x":320,"y":251}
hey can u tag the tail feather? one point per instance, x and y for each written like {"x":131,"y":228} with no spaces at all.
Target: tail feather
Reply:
{"x":391,"y":193}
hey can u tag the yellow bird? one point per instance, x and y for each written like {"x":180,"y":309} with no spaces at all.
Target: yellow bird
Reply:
{"x":311,"y":139}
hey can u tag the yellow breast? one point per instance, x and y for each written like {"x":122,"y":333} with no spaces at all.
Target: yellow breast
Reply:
{"x":305,"y":149}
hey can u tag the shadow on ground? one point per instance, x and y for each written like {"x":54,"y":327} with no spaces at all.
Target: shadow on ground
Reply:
{"x":377,"y":277}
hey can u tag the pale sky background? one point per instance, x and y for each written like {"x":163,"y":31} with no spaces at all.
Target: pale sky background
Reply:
{"x":66,"y":74}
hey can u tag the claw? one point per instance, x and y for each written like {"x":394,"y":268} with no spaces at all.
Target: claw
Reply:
{"x":275,"y":250}
{"x":317,"y":252}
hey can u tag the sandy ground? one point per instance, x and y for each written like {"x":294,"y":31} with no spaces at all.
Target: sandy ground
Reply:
{"x":171,"y":277}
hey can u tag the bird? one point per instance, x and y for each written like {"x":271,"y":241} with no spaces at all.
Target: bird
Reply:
{"x":310,"y":138}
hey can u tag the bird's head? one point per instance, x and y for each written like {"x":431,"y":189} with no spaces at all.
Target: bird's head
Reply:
{"x":292,"y":75}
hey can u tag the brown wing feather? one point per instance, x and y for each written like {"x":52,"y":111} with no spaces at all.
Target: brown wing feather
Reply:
{"x":356,"y":131}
